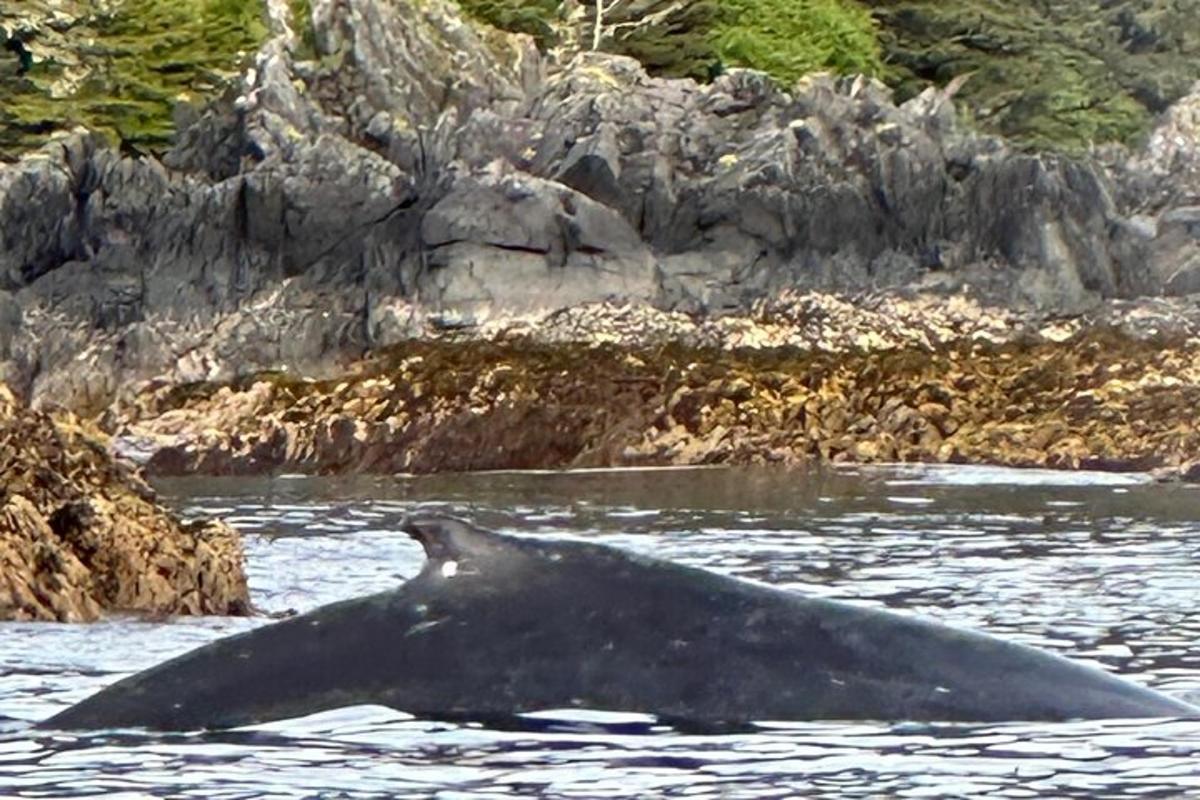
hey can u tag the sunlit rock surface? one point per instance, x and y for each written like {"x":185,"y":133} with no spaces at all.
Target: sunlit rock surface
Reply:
{"x":81,"y":533}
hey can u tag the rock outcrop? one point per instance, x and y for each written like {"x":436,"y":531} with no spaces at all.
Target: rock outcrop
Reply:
{"x":1167,"y":170}
{"x":81,"y":533}
{"x":1162,"y":186}
{"x":397,"y":165}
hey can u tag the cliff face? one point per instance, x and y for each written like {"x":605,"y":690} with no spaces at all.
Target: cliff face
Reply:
{"x":394,"y":167}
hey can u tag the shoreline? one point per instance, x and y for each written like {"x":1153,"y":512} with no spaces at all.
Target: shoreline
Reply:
{"x":901,"y":470}
{"x":1066,"y":393}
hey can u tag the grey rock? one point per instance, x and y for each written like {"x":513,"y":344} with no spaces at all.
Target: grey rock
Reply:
{"x":1175,"y":254}
{"x":414,"y":170}
{"x":1165,"y":173}
{"x":512,"y":241}
{"x":593,"y":166}
{"x":10,"y":324}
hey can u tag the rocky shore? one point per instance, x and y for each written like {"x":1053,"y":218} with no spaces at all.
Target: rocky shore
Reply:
{"x":81,"y":533}
{"x":809,"y":376}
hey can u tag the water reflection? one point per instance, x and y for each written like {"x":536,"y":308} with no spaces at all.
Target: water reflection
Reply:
{"x":1097,"y":567}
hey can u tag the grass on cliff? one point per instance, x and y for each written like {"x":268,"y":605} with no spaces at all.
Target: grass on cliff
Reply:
{"x":302,"y":26}
{"x":786,"y":38}
{"x":1057,"y":75}
{"x":790,"y":38}
{"x":120,"y":68}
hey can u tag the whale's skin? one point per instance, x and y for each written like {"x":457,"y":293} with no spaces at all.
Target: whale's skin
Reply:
{"x":494,"y":626}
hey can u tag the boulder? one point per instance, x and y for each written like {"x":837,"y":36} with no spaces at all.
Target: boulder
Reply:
{"x":81,"y":533}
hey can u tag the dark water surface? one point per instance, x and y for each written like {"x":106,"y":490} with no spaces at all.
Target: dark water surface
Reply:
{"x":1102,"y":568}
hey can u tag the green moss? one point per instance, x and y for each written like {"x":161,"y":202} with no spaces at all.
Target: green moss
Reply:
{"x":789,"y":38}
{"x":119,"y":69}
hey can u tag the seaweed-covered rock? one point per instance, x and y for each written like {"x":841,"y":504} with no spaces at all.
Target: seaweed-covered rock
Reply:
{"x":809,"y":376}
{"x":81,"y":533}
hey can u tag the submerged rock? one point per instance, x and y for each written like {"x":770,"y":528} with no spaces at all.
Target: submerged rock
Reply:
{"x":81,"y":533}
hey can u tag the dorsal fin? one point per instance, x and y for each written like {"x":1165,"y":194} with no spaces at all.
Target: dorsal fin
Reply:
{"x":447,"y":538}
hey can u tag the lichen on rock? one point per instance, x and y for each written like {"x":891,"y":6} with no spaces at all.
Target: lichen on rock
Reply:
{"x":81,"y":533}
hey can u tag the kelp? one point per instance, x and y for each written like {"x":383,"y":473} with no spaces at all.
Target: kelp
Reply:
{"x":1099,"y":400}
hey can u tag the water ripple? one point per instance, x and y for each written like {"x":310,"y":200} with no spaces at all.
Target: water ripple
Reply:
{"x":1097,"y":568}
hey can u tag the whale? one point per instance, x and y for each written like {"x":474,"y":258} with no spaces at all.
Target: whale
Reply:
{"x":496,"y":626}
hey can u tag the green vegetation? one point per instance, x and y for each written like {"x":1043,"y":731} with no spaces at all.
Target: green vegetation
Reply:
{"x":1058,"y":74}
{"x":302,"y":26}
{"x":119,"y":68}
{"x":676,"y":45}
{"x":538,"y":18}
{"x":785,"y":38}
{"x":789,"y":38}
